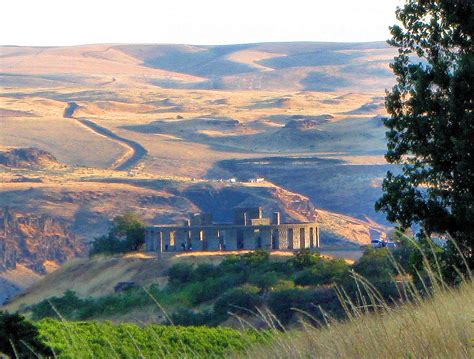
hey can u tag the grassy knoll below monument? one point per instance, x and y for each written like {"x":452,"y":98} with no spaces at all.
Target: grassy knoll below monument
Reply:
{"x":210,"y":290}
{"x":191,"y":290}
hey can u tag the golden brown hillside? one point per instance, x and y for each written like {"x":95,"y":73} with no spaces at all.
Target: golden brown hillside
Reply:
{"x":160,"y":130}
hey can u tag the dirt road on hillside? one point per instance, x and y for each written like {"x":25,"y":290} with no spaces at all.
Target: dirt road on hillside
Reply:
{"x":135,"y":152}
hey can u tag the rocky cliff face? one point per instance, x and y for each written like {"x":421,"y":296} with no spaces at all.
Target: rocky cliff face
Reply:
{"x":28,"y":158}
{"x":32,"y":241}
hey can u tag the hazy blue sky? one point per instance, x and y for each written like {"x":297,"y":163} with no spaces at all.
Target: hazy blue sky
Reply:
{"x":63,"y":22}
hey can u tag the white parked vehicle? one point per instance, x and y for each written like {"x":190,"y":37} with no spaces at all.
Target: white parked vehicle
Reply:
{"x":377,"y":243}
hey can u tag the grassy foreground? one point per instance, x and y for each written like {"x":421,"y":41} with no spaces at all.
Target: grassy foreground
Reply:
{"x":441,"y":327}
{"x":107,"y":340}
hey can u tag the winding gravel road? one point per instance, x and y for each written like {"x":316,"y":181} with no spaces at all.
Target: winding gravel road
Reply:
{"x":127,"y":162}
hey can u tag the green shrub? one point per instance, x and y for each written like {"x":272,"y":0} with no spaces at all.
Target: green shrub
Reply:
{"x":242,"y":300}
{"x":233,"y":264}
{"x":205,"y":271}
{"x":68,"y":305}
{"x":322,"y":273}
{"x":256,"y":258}
{"x":187,"y":317}
{"x":375,"y":265}
{"x":180,"y":273}
{"x":264,"y":280}
{"x":283,"y":284}
{"x":211,"y":288}
{"x":304,"y":259}
{"x":71,"y":307}
{"x":286,"y":303}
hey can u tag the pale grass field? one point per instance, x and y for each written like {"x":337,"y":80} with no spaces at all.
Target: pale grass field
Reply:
{"x":113,"y":86}
{"x":141,"y":104}
{"x":441,"y":327}
{"x":65,"y":138}
{"x":99,"y":59}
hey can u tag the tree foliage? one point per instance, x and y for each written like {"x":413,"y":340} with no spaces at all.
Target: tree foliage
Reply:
{"x":243,"y":300}
{"x":20,"y":338}
{"x":431,"y":125}
{"x":304,"y":259}
{"x":127,"y":233}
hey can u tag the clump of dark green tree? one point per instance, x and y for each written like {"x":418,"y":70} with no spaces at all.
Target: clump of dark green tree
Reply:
{"x":19,"y":338}
{"x":126,"y":234}
{"x":431,"y":125}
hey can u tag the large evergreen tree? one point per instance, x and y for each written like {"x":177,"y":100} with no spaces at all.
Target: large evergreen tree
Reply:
{"x":431,"y":125}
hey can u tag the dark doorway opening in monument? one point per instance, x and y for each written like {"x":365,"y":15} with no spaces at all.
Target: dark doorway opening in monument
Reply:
{"x":167,"y":240}
{"x":240,"y":239}
{"x":311,"y":238}
{"x":290,"y":238}
{"x":302,"y":238}
{"x":185,"y":241}
{"x":275,"y":243}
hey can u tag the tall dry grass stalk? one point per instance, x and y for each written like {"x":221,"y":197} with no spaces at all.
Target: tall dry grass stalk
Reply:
{"x":439,"y":325}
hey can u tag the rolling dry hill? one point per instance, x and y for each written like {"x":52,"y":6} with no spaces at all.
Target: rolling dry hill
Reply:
{"x":88,"y":132}
{"x":269,"y":66}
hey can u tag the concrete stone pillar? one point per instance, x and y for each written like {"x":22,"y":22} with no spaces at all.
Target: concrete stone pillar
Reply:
{"x":318,"y":243}
{"x":266,"y":235}
{"x":230,"y":239}
{"x":159,"y":244}
{"x":276,"y":218}
{"x":196,"y":243}
{"x":250,"y":238}
{"x":212,"y":239}
{"x":304,"y":237}
{"x":221,"y":239}
{"x":153,"y":240}
{"x":148,"y":239}
{"x":291,"y":238}
{"x":275,"y":239}
{"x":283,"y":238}
{"x":296,"y":238}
